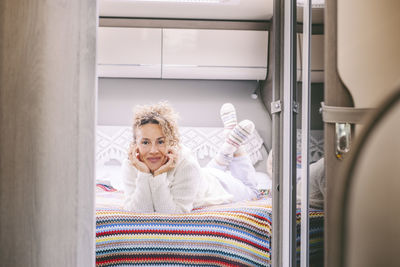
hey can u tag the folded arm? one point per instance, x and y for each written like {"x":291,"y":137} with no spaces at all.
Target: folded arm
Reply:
{"x":177,"y":192}
{"x":136,"y":189}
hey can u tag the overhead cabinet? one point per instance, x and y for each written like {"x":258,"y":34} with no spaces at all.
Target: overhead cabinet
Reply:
{"x":129,"y":52}
{"x":214,"y":54}
{"x":182,"y":53}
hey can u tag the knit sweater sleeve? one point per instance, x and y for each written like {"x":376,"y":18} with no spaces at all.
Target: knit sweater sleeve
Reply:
{"x":176,"y":191}
{"x":136,"y":189}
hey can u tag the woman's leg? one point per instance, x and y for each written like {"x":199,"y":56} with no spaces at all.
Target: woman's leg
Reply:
{"x":242,"y":169}
{"x":228,"y":117}
{"x":225,"y":155}
{"x":240,"y":182}
{"x":233,"y":141}
{"x":233,"y":185}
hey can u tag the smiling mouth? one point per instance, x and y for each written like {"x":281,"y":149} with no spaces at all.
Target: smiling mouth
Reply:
{"x":154,"y":160}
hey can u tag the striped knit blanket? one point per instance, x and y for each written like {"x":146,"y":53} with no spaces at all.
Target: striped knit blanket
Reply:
{"x":236,"y":234}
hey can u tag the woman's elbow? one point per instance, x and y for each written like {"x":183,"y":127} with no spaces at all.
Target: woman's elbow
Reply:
{"x":177,"y":209}
{"x":128,"y":206}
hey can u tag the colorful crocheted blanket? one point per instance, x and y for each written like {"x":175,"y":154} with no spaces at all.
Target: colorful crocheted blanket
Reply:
{"x":237,"y":234}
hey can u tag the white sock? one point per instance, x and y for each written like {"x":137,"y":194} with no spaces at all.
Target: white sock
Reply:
{"x":235,"y":139}
{"x":228,"y":117}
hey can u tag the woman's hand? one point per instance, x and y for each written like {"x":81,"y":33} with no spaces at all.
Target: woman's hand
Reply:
{"x":172,"y":156}
{"x":135,"y":159}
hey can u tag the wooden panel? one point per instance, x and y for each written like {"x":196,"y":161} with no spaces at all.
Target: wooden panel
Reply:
{"x":47,"y":107}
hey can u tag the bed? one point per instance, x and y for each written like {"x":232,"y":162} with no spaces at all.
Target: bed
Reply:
{"x":236,"y":234}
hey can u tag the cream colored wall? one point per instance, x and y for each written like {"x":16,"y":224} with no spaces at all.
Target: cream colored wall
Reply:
{"x":373,"y":196}
{"x":361,"y":53}
{"x":368,"y":48}
{"x":47,"y":104}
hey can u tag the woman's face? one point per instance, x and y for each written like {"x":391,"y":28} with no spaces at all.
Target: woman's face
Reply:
{"x":152,"y":145}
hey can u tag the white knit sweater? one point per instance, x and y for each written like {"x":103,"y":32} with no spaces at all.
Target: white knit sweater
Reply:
{"x":179,"y":190}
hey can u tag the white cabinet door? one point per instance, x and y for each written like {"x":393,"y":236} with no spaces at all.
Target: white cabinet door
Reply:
{"x":129,"y":52}
{"x":214,"y":54}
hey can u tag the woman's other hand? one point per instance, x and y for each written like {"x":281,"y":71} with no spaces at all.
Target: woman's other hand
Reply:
{"x":172,"y":156}
{"x":134,"y":158}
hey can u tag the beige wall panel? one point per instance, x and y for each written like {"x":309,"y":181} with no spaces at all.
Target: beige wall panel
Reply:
{"x":372,"y":222}
{"x":47,"y":104}
{"x":335,"y":94}
{"x":368,"y":48}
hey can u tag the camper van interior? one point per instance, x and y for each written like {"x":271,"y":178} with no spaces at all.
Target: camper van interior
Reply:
{"x":211,"y":53}
{"x":318,"y":78}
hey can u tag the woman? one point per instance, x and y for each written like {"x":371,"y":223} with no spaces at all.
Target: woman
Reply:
{"x":162,"y":176}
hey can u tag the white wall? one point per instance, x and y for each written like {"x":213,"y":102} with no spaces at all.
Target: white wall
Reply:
{"x":197,"y":101}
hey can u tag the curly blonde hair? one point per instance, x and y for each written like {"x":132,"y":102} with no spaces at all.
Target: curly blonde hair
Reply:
{"x":162,"y":114}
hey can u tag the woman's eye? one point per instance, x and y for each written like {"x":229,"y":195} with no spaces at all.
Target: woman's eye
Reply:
{"x":160,"y":142}
{"x":145,"y":142}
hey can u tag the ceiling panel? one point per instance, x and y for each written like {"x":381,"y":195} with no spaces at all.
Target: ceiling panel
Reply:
{"x":188,"y":9}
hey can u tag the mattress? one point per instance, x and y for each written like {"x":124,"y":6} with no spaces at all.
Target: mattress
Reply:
{"x":237,"y":234}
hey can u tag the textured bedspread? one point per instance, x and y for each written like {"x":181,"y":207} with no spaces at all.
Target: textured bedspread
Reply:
{"x":226,"y":235}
